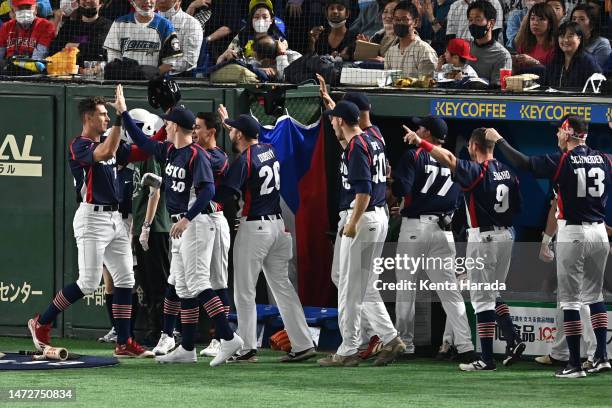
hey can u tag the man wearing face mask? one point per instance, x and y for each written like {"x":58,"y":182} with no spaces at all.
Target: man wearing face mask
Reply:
{"x":145,"y":37}
{"x":335,"y":40}
{"x":87,"y":33}
{"x":491,"y":55}
{"x":514,"y":21}
{"x":25,"y":35}
{"x":188,"y":31}
{"x":411,"y":54}
{"x":458,"y":25}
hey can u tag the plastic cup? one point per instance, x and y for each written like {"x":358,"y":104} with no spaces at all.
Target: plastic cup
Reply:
{"x":503,"y":73}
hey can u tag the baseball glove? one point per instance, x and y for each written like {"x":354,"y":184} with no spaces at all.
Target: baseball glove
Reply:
{"x":280,"y":341}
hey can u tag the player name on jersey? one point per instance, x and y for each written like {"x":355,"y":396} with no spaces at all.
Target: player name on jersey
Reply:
{"x":586,"y":159}
{"x":269,"y":155}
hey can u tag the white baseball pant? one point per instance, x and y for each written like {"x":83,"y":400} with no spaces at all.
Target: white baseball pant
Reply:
{"x":220,"y":252}
{"x":424,"y":238}
{"x":102,"y":239}
{"x":356,"y":292}
{"x":265,"y":245}
{"x":582,"y":252}
{"x":494,"y":250}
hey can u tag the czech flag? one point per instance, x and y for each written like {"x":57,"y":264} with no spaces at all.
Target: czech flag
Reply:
{"x":301,"y":153}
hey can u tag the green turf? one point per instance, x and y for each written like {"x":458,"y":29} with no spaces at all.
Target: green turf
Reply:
{"x":417,"y":383}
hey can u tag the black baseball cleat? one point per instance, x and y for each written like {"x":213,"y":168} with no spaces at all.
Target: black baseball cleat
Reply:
{"x":478,"y":365}
{"x":514,"y":354}
{"x":465,"y":357}
{"x":248,"y":357}
{"x":600,"y":365}
{"x":446,"y":352}
{"x":571,"y":372}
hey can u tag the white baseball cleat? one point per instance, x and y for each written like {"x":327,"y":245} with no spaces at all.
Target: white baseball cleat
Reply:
{"x":110,"y":337}
{"x":164,"y":345}
{"x":227,"y":349}
{"x":212,"y":350}
{"x":178,"y":355}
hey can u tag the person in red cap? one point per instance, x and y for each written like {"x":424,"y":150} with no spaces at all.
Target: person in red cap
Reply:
{"x":453,"y":63}
{"x":25,"y":35}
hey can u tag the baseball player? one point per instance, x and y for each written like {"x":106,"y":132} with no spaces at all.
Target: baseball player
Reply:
{"x":205,"y":132}
{"x":430,"y":199}
{"x":370,"y":341}
{"x":189,"y":188}
{"x":580,"y":176}
{"x":261,"y":241}
{"x":363,"y":172}
{"x":98,"y":227}
{"x":492,"y":197}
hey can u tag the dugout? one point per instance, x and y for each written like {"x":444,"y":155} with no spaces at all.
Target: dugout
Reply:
{"x":38,"y":119}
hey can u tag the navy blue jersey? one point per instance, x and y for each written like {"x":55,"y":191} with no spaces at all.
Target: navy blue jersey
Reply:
{"x":219,"y":163}
{"x":581,"y":178}
{"x":346,"y":191}
{"x":96,"y":182}
{"x":366,"y":162}
{"x":491,"y":192}
{"x":426,"y":186}
{"x":374,"y":131}
{"x":126,"y":185}
{"x":255,"y":177}
{"x":186,"y":170}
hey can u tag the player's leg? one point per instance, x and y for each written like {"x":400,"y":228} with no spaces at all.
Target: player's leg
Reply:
{"x":597,"y":251}
{"x":275,"y":269}
{"x":252,"y":243}
{"x":570,"y":275}
{"x":483,"y":301}
{"x":588,"y":337}
{"x":172,"y":304}
{"x":118,"y":258}
{"x":442,"y":247}
{"x":503,"y":242}
{"x":218,"y":273}
{"x":374,"y":309}
{"x":411,"y":244}
{"x":111,"y":336}
{"x":558,"y":350}
{"x":92,"y":232}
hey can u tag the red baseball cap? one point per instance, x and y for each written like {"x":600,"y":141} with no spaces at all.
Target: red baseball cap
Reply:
{"x":18,"y":3}
{"x":460,"y":47}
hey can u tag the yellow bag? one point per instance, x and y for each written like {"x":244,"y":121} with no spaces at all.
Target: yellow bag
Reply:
{"x":233,"y":74}
{"x":63,"y":62}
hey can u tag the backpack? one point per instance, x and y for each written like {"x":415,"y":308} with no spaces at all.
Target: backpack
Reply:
{"x":305,"y":68}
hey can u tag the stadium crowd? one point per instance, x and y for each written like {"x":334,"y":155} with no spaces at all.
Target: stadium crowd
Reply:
{"x":564,"y":42}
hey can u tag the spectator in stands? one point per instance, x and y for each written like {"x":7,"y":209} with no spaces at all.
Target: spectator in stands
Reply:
{"x":270,"y":56}
{"x":87,"y":33}
{"x":453,"y":63}
{"x":301,"y":16}
{"x":572,"y":65}
{"x":458,"y":25}
{"x":220,"y":21}
{"x":436,"y":13}
{"x":535,"y":42}
{"x":368,"y":20}
{"x":385,"y":37}
{"x":588,"y":19}
{"x":261,"y":24}
{"x":491,"y":55}
{"x":145,"y":37}
{"x":26,"y":34}
{"x":188,"y":31}
{"x":335,"y":39}
{"x":411,"y":54}
{"x":559,"y":7}
{"x":515,"y":18}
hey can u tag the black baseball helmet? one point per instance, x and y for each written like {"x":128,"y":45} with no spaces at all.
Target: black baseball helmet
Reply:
{"x":164,"y":93}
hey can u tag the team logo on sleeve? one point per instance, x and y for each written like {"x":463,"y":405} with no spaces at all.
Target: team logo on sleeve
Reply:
{"x":175,"y":45}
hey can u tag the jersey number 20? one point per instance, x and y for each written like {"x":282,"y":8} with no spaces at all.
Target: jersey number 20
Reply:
{"x":270,"y":173}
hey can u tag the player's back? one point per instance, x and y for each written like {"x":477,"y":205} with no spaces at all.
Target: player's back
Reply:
{"x":433,"y":190}
{"x":365,"y":160}
{"x":262,"y":189}
{"x":492,"y":193}
{"x":219,"y":163}
{"x":582,"y":181}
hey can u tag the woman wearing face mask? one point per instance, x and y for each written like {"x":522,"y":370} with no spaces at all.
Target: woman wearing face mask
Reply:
{"x":262,"y":23}
{"x":26,"y":34}
{"x":536,"y":39}
{"x":572,"y":66}
{"x":335,"y":39}
{"x":386,"y":36}
{"x":588,"y":19}
{"x":87,"y":33}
